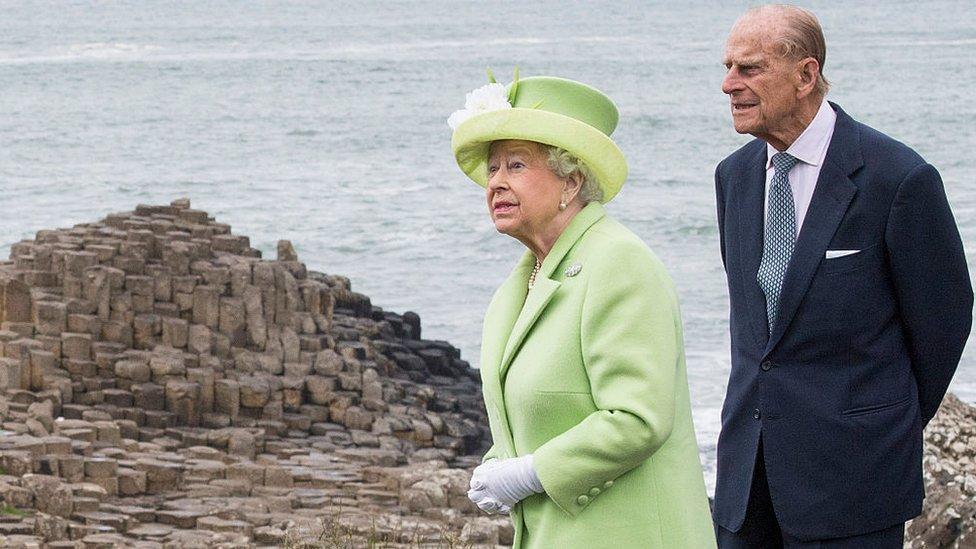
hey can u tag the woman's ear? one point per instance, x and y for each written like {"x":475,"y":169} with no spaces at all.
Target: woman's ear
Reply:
{"x":572,"y":184}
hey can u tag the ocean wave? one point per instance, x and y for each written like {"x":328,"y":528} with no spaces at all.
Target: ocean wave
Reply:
{"x":107,"y":51}
{"x":473,"y":43}
{"x":928,"y":43}
{"x":122,"y":51}
{"x":103,"y":50}
{"x":120,"y":55}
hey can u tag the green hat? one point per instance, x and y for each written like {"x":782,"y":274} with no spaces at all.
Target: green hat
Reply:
{"x":553,"y":111}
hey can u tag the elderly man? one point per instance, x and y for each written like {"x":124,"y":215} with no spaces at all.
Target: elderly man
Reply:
{"x":850,"y":305}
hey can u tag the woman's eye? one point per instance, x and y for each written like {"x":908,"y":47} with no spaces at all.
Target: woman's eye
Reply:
{"x":516,"y":165}
{"x":492,"y":169}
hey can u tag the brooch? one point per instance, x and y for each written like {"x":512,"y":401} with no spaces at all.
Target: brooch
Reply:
{"x":574,"y":269}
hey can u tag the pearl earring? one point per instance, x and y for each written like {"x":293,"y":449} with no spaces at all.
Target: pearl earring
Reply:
{"x":562,"y":206}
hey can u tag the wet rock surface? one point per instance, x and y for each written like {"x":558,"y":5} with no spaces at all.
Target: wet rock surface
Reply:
{"x":164,"y":386}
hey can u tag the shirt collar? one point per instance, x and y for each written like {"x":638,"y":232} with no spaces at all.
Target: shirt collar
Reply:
{"x":811,"y":146}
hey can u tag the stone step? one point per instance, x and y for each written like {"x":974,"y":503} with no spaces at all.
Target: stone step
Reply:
{"x":20,"y":527}
{"x":178,"y":518}
{"x":379,"y":497}
{"x":116,"y":521}
{"x":217,"y":524}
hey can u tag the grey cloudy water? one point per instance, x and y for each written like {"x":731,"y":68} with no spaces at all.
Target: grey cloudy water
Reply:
{"x":325,"y":123}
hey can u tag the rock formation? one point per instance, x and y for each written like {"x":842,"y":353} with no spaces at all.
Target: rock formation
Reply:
{"x":948,"y":517}
{"x":165,"y":386}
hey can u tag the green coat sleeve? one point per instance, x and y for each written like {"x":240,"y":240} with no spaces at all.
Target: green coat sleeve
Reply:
{"x":631,"y":342}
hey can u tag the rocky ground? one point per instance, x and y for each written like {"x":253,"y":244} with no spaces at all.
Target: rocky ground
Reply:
{"x":162,"y":385}
{"x":948,"y":518}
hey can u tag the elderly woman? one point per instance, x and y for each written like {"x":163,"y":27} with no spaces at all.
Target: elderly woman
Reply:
{"x":582,"y":358}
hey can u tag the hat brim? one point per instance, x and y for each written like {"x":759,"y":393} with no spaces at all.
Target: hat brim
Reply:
{"x":474,"y":136}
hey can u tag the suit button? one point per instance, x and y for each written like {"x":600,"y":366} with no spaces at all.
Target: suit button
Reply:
{"x":582,"y":500}
{"x":755,"y":414}
{"x":766,"y":366}
{"x":607,"y":484}
{"x":594,"y":492}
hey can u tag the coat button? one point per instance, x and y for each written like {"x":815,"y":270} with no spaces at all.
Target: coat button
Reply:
{"x":607,"y":484}
{"x":755,"y":414}
{"x":594,"y":492}
{"x":582,"y":500}
{"x":766,"y":366}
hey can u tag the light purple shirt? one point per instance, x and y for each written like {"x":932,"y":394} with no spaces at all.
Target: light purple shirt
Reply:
{"x":811,"y":149}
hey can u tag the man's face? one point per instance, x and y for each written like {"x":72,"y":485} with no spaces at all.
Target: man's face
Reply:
{"x":761,"y":83}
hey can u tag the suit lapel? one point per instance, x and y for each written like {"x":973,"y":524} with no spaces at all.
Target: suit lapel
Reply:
{"x":831,"y":198}
{"x":501,"y":316}
{"x":504,"y":312}
{"x":535,"y":303}
{"x":545,"y":288}
{"x":751,"y":225}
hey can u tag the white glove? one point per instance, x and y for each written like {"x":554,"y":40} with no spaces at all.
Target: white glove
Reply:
{"x":498,"y":484}
{"x":488,"y":505}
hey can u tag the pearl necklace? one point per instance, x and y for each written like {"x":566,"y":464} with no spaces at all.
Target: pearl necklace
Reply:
{"x":535,"y":272}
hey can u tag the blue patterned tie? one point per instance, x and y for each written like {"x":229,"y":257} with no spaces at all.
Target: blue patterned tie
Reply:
{"x":780,"y":235}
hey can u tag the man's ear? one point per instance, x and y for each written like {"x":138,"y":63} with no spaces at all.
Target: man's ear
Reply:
{"x":809,"y":71}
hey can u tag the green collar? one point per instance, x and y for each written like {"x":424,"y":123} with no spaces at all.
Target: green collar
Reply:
{"x":590,"y":214}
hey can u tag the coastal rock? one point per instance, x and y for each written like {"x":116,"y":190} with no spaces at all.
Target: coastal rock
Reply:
{"x":166,"y":385}
{"x":51,"y":496}
{"x":948,"y":516}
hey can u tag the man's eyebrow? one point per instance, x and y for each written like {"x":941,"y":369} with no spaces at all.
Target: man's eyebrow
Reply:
{"x":744,"y":61}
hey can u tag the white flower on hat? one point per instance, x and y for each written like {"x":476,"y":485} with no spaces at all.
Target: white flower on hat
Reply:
{"x":487,"y":98}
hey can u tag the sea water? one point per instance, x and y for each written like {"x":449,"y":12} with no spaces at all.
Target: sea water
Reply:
{"x":325,"y":123}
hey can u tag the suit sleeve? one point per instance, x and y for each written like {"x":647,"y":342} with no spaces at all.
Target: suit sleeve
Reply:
{"x":931,"y":282}
{"x":632,"y":350}
{"x":720,"y":205}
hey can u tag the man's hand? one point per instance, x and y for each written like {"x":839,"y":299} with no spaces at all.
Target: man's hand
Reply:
{"x":498,"y":484}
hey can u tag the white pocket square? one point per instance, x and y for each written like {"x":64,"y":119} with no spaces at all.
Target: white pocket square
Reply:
{"x":833,"y":254}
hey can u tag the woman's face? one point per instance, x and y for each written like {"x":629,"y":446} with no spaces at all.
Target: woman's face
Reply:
{"x":523,"y":193}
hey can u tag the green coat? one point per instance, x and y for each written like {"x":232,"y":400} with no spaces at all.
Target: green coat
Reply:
{"x":587,"y":372}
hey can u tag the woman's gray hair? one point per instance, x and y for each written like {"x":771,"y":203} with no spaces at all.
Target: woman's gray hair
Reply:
{"x":564,"y":164}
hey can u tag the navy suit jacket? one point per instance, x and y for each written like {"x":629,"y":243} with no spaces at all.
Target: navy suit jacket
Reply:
{"x":864,"y":345}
